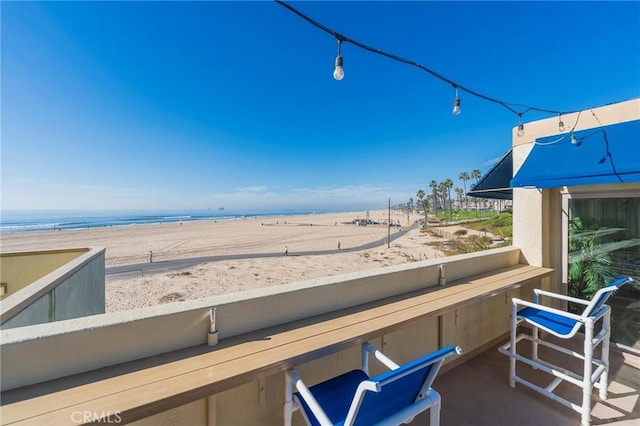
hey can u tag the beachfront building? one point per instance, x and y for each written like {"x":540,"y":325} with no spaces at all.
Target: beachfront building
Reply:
{"x":188,"y":364}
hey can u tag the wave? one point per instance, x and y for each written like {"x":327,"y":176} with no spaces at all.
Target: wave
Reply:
{"x":34,"y":221}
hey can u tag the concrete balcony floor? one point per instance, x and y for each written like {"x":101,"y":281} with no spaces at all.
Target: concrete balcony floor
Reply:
{"x":477,"y":393}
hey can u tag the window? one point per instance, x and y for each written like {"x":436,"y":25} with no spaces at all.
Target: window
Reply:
{"x":602,"y":240}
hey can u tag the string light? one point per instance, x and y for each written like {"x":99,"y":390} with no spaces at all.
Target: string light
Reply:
{"x":518,"y":109}
{"x":338,"y":72}
{"x":520,"y":126}
{"x":456,"y":104}
{"x":574,"y":140}
{"x":560,"y":123}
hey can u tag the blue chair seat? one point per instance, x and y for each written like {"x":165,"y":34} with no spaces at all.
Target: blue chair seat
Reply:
{"x":557,"y":323}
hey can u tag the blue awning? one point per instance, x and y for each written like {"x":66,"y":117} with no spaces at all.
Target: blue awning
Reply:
{"x":602,"y":155}
{"x":495,"y":183}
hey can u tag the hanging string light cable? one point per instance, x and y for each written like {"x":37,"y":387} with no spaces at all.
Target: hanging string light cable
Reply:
{"x":571,"y":135}
{"x":512,"y":107}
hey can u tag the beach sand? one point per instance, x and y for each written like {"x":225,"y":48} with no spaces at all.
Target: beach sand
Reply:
{"x":298,"y":234}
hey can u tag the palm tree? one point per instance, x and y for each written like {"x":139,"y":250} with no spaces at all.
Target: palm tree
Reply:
{"x":448,"y":184}
{"x":433,"y":204}
{"x":460,"y":193}
{"x":434,"y":196}
{"x":420,"y":196}
{"x":464,"y":177}
{"x":409,"y":209}
{"x":475,"y":174}
{"x":442,"y":192}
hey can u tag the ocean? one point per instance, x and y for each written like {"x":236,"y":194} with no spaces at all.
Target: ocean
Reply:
{"x":48,"y":220}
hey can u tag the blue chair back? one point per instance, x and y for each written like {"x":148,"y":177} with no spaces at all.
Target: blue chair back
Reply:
{"x":401,"y":387}
{"x":603,"y":295}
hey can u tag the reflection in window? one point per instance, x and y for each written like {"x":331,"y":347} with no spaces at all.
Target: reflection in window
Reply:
{"x":604,"y":241}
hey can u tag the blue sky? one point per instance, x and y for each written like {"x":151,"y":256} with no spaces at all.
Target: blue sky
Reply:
{"x":161,"y":105}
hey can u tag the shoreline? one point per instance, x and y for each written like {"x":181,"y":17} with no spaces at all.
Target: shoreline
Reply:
{"x":50,"y":221}
{"x":174,"y":240}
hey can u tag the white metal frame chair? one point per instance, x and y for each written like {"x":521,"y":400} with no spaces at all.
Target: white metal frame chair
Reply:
{"x":354,"y":398}
{"x":565,"y":325}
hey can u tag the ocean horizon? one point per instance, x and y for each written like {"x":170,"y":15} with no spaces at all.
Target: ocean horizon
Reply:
{"x":12,"y":221}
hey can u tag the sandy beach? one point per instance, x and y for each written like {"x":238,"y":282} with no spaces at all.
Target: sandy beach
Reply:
{"x":295,"y":234}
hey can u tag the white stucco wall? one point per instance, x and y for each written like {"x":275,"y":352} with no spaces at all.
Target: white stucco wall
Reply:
{"x":89,"y":343}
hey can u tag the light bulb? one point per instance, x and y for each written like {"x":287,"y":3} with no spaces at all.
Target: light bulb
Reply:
{"x":574,"y":141}
{"x":338,"y":72}
{"x":520,"y":129}
{"x":456,"y":106}
{"x":561,"y":126}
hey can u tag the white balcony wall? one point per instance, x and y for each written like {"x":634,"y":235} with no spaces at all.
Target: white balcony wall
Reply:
{"x":52,"y":286}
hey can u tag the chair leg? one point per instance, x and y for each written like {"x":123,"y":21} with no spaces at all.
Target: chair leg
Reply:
{"x":365,"y":358}
{"x":586,"y":378}
{"x":604,"y":378}
{"x":534,"y":344}
{"x":288,"y":399}
{"x":512,"y":347}
{"x":434,"y":413}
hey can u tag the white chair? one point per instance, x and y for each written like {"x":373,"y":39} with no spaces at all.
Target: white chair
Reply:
{"x":565,"y":325}
{"x":354,"y":398}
